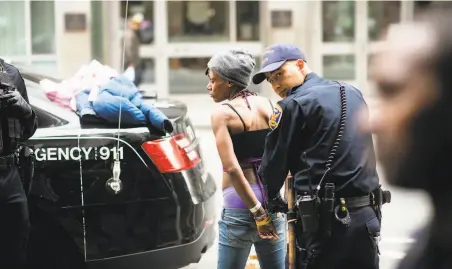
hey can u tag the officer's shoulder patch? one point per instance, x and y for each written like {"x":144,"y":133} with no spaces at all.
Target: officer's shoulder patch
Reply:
{"x":276,"y":117}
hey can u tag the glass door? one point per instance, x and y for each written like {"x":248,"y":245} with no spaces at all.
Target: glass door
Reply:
{"x":28,"y":33}
{"x":348,"y":35}
{"x":337,"y":41}
{"x":196,"y":30}
{"x":380,"y":15}
{"x":147,"y":36}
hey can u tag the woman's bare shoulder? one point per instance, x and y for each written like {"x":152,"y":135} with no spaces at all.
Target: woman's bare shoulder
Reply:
{"x":221,"y":111}
{"x":265,"y":103}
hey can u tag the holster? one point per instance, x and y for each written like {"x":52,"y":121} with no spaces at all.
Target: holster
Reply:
{"x":309,"y":230}
{"x":380,"y":197}
{"x":308,"y":213}
{"x":26,"y":162}
{"x":313,"y":225}
{"x":308,"y":247}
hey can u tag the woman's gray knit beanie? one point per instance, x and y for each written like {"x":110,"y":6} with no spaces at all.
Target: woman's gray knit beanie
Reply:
{"x":234,"y":65}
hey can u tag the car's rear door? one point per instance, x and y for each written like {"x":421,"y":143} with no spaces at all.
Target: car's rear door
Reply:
{"x":56,"y":194}
{"x":72,"y":168}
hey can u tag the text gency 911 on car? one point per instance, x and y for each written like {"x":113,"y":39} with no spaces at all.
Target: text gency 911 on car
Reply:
{"x":163,"y":208}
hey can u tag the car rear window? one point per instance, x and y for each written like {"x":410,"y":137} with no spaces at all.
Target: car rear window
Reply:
{"x":34,"y":89}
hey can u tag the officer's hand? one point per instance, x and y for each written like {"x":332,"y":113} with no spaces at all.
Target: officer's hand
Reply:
{"x":278,"y":204}
{"x":267,"y":231}
{"x":17,"y":103}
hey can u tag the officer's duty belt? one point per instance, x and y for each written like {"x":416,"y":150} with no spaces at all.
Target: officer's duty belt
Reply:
{"x":360,"y":201}
{"x":354,"y":202}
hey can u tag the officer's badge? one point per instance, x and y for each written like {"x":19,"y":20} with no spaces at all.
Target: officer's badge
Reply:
{"x":276,"y":117}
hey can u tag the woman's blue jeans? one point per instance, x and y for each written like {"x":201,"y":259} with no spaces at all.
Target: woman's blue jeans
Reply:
{"x":238,"y":232}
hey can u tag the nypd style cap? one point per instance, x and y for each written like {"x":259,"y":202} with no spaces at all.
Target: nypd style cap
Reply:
{"x":275,"y":56}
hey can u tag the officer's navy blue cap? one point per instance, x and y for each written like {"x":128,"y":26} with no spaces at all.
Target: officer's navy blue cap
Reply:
{"x":275,"y":56}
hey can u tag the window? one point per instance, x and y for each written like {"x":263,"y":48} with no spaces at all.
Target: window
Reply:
{"x":281,"y":18}
{"x":47,"y":120}
{"x":381,"y":15}
{"x":339,"y":67}
{"x":253,"y":87}
{"x":12,"y":28}
{"x":146,"y":8}
{"x":198,"y":21}
{"x":97,"y":38}
{"x":247,"y":20}
{"x":42,"y":27}
{"x":149,"y":71}
{"x":46,"y":67}
{"x":338,"y":19}
{"x":369,"y":65}
{"x":420,"y":6}
{"x":187,"y":75}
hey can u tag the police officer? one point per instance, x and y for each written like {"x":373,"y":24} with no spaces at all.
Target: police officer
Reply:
{"x":308,"y":130}
{"x":18,"y":122}
{"x":413,"y":123}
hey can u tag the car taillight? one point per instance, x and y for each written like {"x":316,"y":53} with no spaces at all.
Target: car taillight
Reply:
{"x":172,"y":154}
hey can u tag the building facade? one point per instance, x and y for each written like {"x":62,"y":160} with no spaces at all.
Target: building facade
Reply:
{"x":338,"y":37}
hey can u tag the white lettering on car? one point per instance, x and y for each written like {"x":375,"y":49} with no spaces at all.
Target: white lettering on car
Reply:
{"x":76,"y":154}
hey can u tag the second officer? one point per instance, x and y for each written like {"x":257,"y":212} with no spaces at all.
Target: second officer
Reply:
{"x":18,"y":122}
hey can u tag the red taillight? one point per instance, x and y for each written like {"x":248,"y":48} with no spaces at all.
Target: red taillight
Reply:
{"x":172,"y":154}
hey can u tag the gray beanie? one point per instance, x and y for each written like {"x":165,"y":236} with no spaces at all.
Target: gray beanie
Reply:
{"x":234,"y":65}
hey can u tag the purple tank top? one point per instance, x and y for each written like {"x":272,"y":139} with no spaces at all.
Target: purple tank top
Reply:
{"x":233,"y":201}
{"x":230,"y":197}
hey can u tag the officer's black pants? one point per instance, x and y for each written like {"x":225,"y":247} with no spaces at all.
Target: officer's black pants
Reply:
{"x":14,"y":220}
{"x":352,"y":247}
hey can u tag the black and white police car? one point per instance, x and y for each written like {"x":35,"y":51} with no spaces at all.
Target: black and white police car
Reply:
{"x":159,"y":213}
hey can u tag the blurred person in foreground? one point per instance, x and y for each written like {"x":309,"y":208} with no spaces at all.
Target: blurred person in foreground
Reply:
{"x":413,"y":124}
{"x":132,"y":47}
{"x":240,"y":126}
{"x":314,"y":136}
{"x":14,"y":217}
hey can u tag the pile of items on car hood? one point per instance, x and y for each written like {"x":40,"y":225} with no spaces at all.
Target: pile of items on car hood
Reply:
{"x":99,"y":92}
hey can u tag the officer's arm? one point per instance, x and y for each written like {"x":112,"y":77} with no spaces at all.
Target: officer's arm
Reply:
{"x":30,"y":122}
{"x":278,"y":145}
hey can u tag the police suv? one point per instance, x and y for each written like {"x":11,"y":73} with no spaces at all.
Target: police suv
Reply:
{"x":108,"y":198}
